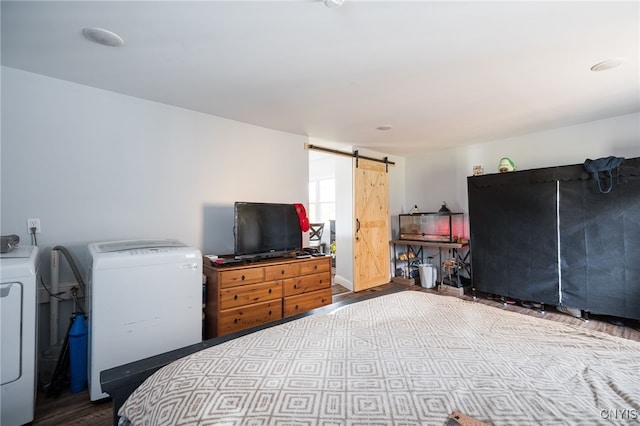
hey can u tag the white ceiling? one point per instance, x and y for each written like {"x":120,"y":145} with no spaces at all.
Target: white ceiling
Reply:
{"x":441,"y":73}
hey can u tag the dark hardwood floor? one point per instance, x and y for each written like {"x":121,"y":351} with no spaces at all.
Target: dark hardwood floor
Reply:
{"x":72,"y":409}
{"x":77,"y":410}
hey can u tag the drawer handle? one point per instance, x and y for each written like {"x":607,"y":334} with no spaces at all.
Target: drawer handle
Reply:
{"x":315,"y":266}
{"x":295,"y":286}
{"x":235,"y":297}
{"x":323,"y":300}
{"x":235,"y":321}
{"x":296,"y":308}
{"x":269,"y":313}
{"x":282,"y":272}
{"x":270,"y":291}
{"x":320,"y":281}
{"x":242,"y":278}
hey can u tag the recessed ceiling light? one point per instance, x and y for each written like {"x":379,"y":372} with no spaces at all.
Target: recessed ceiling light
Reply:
{"x":333,"y":3}
{"x":608,"y":64}
{"x":104,"y":37}
{"x":385,"y":127}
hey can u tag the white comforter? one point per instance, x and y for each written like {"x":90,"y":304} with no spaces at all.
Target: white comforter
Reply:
{"x":409,"y":358}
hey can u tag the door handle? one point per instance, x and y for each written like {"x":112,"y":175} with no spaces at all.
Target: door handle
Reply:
{"x":357,"y":228}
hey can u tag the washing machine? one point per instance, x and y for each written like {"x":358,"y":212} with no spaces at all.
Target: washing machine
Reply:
{"x":19,"y":322}
{"x":144,"y":298}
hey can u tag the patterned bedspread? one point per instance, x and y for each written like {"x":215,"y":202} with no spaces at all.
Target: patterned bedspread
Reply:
{"x":409,"y":358}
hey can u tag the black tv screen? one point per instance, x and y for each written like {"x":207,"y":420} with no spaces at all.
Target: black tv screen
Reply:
{"x":266,"y":230}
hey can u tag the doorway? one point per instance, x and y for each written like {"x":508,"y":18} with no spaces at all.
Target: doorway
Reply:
{"x":336,"y":173}
{"x":322,"y":202}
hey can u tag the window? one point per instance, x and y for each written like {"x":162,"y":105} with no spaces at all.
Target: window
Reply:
{"x":322,"y":204}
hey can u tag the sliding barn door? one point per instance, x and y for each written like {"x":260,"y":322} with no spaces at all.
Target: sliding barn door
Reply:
{"x":371,"y":216}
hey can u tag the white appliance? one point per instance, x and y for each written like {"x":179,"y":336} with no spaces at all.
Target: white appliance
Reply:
{"x":144,"y":298}
{"x":19,"y":319}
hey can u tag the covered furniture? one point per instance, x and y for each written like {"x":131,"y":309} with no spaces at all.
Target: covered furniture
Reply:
{"x":549,"y":235}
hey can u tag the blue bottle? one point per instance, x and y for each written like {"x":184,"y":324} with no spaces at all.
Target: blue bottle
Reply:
{"x":78,"y":354}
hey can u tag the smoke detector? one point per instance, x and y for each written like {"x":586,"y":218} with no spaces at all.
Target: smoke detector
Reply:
{"x":104,"y":37}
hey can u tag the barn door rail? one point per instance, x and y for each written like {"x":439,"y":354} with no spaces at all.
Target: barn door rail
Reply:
{"x":353,"y":154}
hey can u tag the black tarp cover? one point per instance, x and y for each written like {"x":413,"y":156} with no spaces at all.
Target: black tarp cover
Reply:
{"x":600,"y":244}
{"x":521,"y":231}
{"x":513,"y":235}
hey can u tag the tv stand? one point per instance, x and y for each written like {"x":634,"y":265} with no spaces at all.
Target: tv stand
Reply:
{"x":245,"y":295}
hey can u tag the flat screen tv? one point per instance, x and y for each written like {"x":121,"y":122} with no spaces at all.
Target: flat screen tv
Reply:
{"x":265,"y":230}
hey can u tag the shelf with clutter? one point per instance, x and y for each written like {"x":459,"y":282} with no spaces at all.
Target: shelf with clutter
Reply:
{"x":407,"y":272}
{"x":441,"y":230}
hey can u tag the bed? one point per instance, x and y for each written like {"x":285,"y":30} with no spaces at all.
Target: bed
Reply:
{"x":406,"y":358}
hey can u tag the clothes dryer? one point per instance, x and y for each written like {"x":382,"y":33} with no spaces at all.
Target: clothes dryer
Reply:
{"x":18,"y":322}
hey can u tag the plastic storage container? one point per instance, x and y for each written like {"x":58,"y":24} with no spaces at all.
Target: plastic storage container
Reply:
{"x":428,"y":275}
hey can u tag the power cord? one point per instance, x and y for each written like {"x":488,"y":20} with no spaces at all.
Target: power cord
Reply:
{"x":34,"y":239}
{"x":74,"y":296}
{"x":57,"y":295}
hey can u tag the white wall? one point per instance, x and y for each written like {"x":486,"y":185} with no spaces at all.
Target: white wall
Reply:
{"x":430,"y":179}
{"x":442,"y":175}
{"x":438,"y":176}
{"x":94,"y":165}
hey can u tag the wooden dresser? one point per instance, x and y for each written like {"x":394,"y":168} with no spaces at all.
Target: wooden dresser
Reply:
{"x":245,"y":296}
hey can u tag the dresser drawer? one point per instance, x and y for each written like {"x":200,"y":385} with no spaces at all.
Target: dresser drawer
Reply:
{"x":279,"y":272}
{"x":237,"y":277}
{"x":306,"y":284}
{"x":237,"y":319}
{"x":306,"y":301}
{"x":232,"y":297}
{"x":315,"y":266}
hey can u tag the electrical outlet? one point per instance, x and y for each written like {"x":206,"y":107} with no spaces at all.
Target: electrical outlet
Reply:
{"x":33,"y":223}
